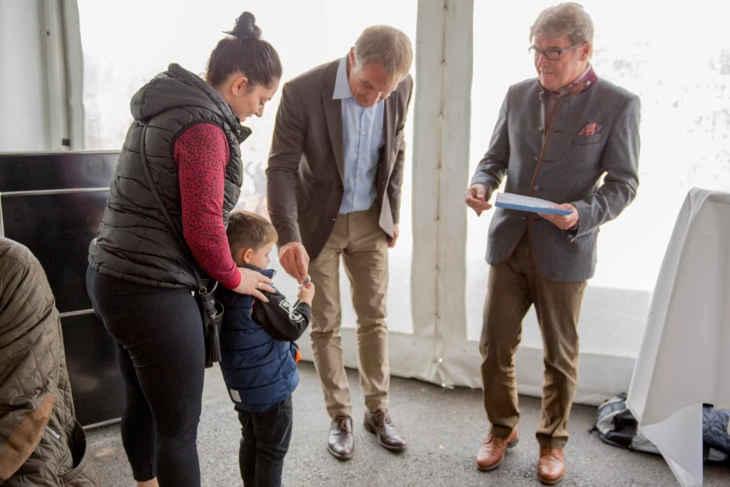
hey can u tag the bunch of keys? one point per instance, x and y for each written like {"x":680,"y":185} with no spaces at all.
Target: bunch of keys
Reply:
{"x":304,"y":283}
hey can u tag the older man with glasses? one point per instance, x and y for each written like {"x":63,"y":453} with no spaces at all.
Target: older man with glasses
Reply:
{"x":571,"y":138}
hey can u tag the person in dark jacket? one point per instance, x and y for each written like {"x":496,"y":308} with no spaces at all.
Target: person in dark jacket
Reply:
{"x":258,"y":356}
{"x":41,"y":443}
{"x":572,"y":138}
{"x":142,"y":267}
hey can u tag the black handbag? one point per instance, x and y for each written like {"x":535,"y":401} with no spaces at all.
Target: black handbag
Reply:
{"x":211,"y":310}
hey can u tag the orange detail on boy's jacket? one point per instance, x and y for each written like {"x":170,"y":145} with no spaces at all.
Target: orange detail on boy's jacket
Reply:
{"x":591,"y":128}
{"x":297,"y":356}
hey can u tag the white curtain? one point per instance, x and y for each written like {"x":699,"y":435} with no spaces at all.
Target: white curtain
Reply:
{"x":467,"y":54}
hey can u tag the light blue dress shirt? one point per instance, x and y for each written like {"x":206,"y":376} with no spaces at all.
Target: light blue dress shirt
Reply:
{"x":362,"y":132}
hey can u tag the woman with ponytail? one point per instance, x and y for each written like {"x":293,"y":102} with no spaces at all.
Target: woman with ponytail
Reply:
{"x":182,"y":152}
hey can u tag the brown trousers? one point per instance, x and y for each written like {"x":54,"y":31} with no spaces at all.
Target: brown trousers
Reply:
{"x":513,"y":287}
{"x":363,"y":245}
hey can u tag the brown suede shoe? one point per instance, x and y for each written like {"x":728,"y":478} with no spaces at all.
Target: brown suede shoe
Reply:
{"x":491,"y":453}
{"x":551,"y":466}
{"x":379,"y":423}
{"x":341,"y":442}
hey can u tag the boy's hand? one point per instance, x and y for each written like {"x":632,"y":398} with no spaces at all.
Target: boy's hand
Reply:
{"x":306,"y":293}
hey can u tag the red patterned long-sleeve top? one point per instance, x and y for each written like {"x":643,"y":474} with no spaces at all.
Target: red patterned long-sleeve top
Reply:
{"x":201,"y":154}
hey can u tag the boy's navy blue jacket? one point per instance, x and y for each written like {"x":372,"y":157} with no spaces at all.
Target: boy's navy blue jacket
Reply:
{"x":257,"y":353}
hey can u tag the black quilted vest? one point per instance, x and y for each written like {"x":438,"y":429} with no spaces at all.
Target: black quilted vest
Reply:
{"x":135,"y":242}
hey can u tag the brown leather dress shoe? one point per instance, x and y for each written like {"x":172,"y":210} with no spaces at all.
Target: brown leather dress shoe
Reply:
{"x":491,"y":453}
{"x":341,"y":441}
{"x":551,"y":466}
{"x":379,"y":423}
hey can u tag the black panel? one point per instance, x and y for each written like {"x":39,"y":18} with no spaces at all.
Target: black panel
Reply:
{"x":98,"y":390}
{"x":57,"y":228}
{"x":64,"y":170}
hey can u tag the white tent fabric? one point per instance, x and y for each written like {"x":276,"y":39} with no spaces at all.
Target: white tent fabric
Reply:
{"x":684,"y":355}
{"x":435,"y":300}
{"x":440,"y":349}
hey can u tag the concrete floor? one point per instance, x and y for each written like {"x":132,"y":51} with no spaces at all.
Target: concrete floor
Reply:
{"x":444,"y":429}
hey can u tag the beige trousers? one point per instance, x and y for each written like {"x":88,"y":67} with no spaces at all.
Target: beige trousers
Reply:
{"x":363,"y":246}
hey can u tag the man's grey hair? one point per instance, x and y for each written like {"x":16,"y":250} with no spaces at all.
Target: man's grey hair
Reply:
{"x":564,"y":19}
{"x":386,"y":46}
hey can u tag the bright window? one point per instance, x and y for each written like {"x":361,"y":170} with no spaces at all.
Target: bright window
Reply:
{"x":127,"y":43}
{"x":678,"y":62}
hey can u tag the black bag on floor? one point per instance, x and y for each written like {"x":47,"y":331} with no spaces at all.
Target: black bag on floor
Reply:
{"x":618,"y":427}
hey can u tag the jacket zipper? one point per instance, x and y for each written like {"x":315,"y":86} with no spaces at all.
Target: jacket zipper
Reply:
{"x":53,"y":433}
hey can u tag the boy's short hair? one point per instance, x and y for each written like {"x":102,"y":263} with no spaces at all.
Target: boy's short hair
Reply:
{"x":248,"y":230}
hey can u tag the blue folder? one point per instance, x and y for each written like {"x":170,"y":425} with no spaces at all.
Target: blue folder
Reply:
{"x":528,"y":203}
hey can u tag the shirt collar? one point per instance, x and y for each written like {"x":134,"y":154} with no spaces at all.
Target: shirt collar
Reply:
{"x":584,"y":81}
{"x":342,"y":85}
{"x":584,"y":75}
{"x":581,"y":84}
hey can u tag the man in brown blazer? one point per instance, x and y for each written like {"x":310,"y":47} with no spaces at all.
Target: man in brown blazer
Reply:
{"x":334,"y":184}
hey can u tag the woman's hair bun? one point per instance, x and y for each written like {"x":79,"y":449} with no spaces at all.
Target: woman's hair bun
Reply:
{"x":246,"y":27}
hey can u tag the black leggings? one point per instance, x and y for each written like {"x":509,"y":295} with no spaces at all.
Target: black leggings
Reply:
{"x":161,"y":354}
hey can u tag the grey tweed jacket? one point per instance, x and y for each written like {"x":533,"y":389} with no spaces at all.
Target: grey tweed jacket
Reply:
{"x":586,"y":152}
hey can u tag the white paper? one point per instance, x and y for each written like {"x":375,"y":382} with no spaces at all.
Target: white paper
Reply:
{"x":528,"y":203}
{"x":518,"y":199}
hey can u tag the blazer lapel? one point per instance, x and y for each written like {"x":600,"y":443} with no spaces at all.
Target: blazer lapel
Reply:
{"x":333,"y":115}
{"x":388,"y":129}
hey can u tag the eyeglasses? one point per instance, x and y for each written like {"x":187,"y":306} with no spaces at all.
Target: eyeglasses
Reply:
{"x":551,"y":53}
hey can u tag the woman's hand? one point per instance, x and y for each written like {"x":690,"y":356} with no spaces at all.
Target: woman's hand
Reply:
{"x":252,"y":283}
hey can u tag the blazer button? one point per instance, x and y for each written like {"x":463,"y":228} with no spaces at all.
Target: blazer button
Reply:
{"x":523,"y":218}
{"x":536,"y":188}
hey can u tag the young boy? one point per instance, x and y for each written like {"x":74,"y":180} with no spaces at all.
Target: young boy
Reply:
{"x":258,"y":356}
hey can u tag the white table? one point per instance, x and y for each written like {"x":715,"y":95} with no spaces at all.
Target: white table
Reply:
{"x":684,"y":359}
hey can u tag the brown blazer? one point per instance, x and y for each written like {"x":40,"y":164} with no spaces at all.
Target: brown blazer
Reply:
{"x":306,"y":164}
